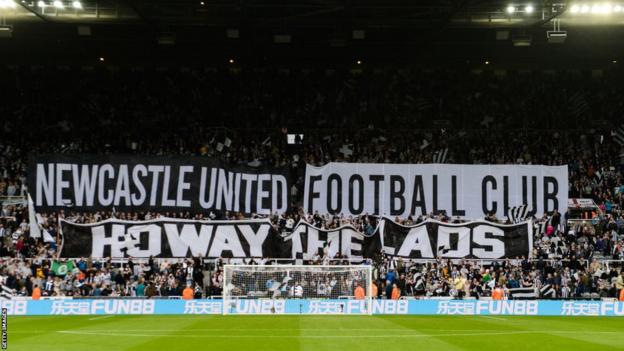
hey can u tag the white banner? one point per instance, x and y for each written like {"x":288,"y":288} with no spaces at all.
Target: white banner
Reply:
{"x":470,"y":191}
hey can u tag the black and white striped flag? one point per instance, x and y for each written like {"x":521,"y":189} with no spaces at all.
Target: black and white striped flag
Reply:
{"x":578,"y":104}
{"x":6,"y":293}
{"x":600,"y":174}
{"x":518,"y":213}
{"x":618,"y":135}
{"x":440,"y":156}
{"x":523,"y":293}
{"x":547,"y":291}
{"x":541,"y":226}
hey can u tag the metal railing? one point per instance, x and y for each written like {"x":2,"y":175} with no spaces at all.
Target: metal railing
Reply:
{"x":13,"y":200}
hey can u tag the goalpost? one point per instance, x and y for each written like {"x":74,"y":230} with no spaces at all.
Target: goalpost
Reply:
{"x":297,"y":289}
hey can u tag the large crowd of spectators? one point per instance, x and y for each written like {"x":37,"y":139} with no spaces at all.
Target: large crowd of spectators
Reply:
{"x":383,"y":115}
{"x":568,"y":278}
{"x":578,"y":278}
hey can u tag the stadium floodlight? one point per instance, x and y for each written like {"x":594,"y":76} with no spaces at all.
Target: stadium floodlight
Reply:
{"x":7,"y":4}
{"x":41,"y":4}
{"x":617,"y":8}
{"x":297,"y":289}
{"x":511,"y":9}
{"x":77,"y":5}
{"x":596,"y":9}
{"x":58,"y":4}
{"x":575,"y":8}
{"x":528,"y":9}
{"x":585,"y":9}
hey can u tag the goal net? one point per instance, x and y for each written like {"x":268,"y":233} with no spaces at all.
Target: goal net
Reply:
{"x":289,"y":289}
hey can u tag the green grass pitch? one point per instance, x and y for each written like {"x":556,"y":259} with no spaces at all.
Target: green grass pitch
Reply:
{"x":335,"y":333}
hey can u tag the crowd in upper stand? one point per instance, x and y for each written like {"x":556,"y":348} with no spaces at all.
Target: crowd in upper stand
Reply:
{"x":382,"y":115}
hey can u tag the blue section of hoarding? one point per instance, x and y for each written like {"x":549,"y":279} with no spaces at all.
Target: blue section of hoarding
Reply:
{"x":302,"y":306}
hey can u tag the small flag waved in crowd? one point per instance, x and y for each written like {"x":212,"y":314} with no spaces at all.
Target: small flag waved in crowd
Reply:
{"x":440,"y":156}
{"x":518,"y":213}
{"x":548,"y":291}
{"x":578,"y":104}
{"x":62,"y":268}
{"x":6,"y":293}
{"x":618,"y":135}
{"x":528,"y":293}
{"x":541,"y":228}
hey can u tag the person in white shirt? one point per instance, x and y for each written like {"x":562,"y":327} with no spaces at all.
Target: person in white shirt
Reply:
{"x":298,"y":291}
{"x":322,"y":289}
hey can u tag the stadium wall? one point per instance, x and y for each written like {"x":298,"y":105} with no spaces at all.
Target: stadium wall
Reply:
{"x":256,"y":306}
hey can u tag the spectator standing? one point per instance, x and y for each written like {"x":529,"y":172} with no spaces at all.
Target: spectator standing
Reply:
{"x":396,"y":292}
{"x":619,"y":283}
{"x":359,"y":292}
{"x":187,"y":293}
{"x":36,"y":294}
{"x":140,"y":288}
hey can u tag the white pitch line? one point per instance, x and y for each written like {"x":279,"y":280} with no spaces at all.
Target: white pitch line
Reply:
{"x":100,"y":317}
{"x":497,"y":318}
{"x":115,"y":333}
{"x":293,"y":336}
{"x":327,"y":329}
{"x":284,"y":329}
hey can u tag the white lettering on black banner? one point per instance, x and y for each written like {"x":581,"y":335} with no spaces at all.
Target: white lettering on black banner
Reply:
{"x":89,"y":182}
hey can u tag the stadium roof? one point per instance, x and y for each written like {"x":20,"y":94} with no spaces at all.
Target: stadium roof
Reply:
{"x":278,"y":14}
{"x":376,"y":30}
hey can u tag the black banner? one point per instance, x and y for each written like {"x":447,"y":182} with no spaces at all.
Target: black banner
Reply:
{"x":168,"y":237}
{"x":173,"y":238}
{"x":433,"y":239}
{"x":135,"y":183}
